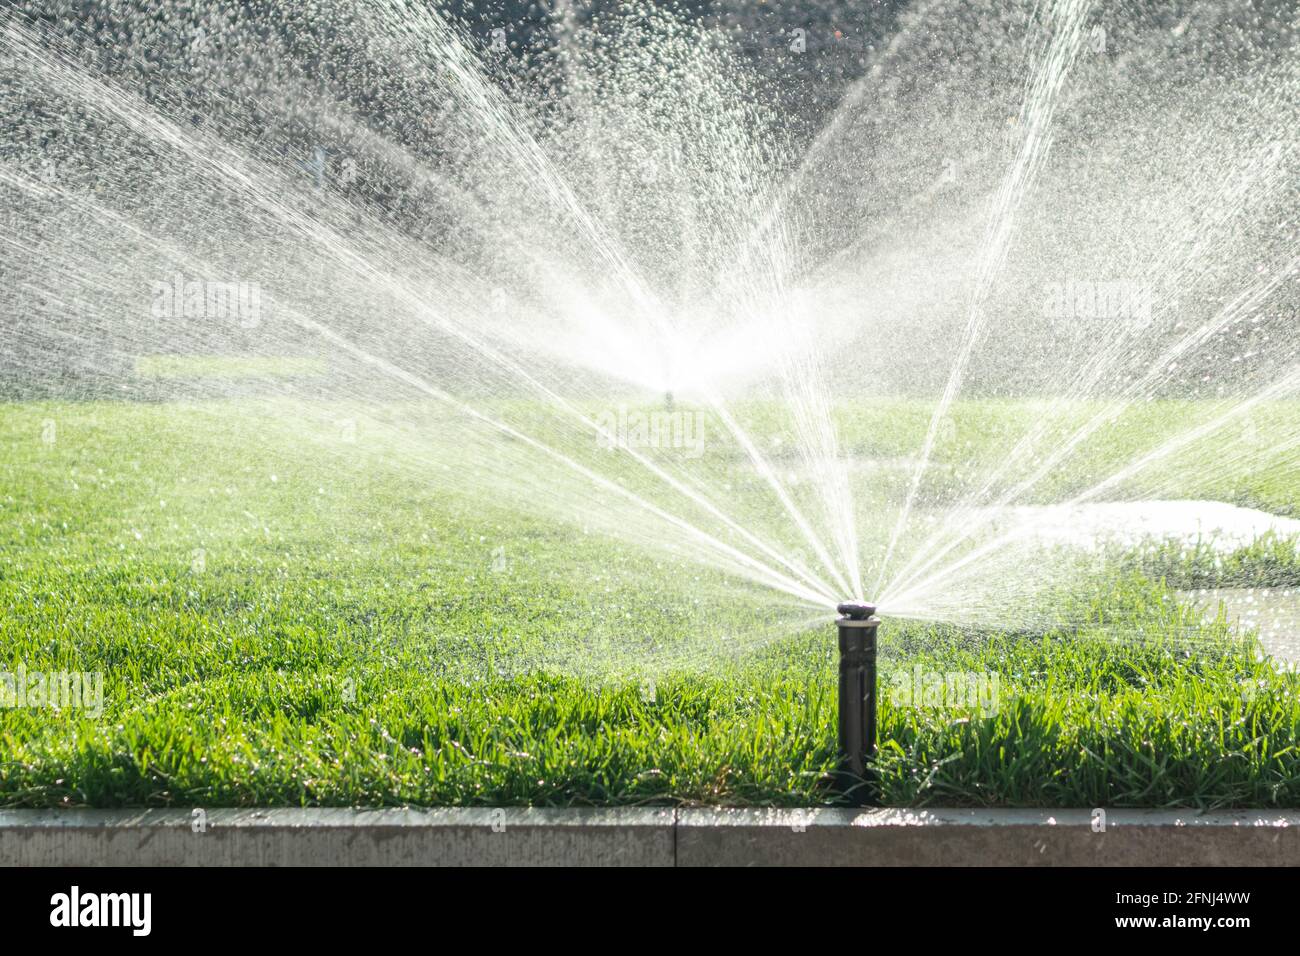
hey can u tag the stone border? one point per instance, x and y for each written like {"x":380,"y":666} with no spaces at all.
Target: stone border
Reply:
{"x":338,"y":837}
{"x":645,"y":837}
{"x":888,"y":837}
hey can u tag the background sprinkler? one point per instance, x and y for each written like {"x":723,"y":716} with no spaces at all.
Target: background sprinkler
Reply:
{"x":855,"y":778}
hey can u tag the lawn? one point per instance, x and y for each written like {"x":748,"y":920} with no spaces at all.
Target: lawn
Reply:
{"x":283,"y":614}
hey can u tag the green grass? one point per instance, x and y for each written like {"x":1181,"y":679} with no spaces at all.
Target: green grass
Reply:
{"x":285,"y":624}
{"x":1269,"y":561}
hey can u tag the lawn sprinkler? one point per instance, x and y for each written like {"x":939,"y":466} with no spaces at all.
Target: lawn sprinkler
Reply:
{"x":857,"y":625}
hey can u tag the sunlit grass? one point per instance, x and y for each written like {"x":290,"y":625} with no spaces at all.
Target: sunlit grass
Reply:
{"x":296,"y":626}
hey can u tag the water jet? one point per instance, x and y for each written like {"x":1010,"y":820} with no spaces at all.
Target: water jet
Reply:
{"x":858,"y":626}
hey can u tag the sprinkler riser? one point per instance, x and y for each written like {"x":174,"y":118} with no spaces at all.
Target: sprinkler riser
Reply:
{"x":857,"y":703}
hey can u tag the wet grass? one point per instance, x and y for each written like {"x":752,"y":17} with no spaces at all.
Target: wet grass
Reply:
{"x":1271,"y":561}
{"x":277,"y":629}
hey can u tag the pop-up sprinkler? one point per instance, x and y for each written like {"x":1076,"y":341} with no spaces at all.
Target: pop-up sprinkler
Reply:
{"x":855,"y":778}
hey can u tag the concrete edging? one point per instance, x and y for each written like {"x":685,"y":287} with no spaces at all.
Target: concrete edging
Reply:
{"x":338,"y":837}
{"x":645,"y":837}
{"x":901,"y":837}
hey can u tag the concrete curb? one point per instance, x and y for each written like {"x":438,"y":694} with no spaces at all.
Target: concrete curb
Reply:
{"x":887,"y":837}
{"x":645,"y":837}
{"x":330,"y":837}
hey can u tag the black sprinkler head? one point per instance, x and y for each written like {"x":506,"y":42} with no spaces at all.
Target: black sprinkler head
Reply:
{"x":856,"y":778}
{"x":856,"y":610}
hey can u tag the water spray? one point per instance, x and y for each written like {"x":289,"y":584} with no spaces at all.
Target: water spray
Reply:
{"x":855,"y":778}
